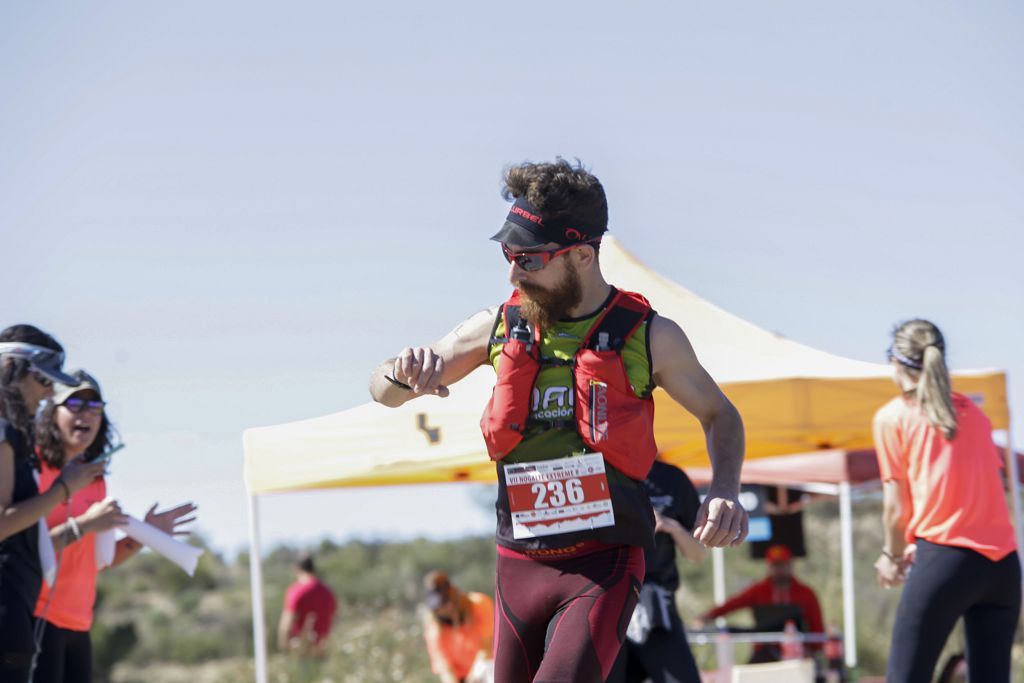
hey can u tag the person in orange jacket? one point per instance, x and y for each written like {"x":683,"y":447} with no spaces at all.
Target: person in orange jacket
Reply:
{"x":458,"y":628}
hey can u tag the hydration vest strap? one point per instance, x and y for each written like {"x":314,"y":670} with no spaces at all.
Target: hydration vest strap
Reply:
{"x":512,"y":317}
{"x":494,"y":329}
{"x":509,"y":314}
{"x":621,"y":318}
{"x":556,"y":362}
{"x":542,"y":426}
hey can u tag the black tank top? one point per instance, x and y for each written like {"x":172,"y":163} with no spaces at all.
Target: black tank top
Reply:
{"x":21,"y":576}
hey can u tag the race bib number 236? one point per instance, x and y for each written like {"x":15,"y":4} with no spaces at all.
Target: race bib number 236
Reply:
{"x":558,"y":496}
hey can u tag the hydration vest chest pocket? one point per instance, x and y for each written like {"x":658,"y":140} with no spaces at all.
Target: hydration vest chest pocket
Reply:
{"x":612,"y":418}
{"x":505,"y":416}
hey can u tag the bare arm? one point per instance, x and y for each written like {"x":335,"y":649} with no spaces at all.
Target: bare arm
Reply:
{"x":429,"y":370}
{"x":15,"y":517}
{"x":896,"y":511}
{"x":721,"y":521}
{"x":284,"y":626}
{"x":895,"y":516}
{"x":101,"y":516}
{"x":125,"y":549}
{"x":684,"y":541}
{"x":439,"y":663}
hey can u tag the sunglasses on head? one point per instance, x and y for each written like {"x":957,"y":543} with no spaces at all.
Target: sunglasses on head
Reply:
{"x":532,"y":261}
{"x":78,"y":405}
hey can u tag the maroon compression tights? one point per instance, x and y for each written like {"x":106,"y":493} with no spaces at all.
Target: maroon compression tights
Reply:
{"x":563,"y":620}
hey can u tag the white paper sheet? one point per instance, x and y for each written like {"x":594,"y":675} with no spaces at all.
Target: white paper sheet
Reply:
{"x":47,"y":555}
{"x":106,"y":545}
{"x":181,"y":554}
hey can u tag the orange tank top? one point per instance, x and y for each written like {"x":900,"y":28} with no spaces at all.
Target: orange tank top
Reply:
{"x":73,"y":594}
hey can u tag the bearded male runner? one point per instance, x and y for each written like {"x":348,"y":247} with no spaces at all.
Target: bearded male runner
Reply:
{"x":571,"y":427}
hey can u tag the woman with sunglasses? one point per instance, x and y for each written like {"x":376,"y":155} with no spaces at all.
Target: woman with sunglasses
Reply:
{"x":73,"y":424}
{"x":30,"y":362}
{"x":946,"y":522}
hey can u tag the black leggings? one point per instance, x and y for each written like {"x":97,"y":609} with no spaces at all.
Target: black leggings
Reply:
{"x":947,"y":583}
{"x":66,"y":656}
{"x":15,"y":637}
{"x":664,"y":657}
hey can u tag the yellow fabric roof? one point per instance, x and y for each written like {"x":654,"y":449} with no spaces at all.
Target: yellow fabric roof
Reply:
{"x":793,"y":399}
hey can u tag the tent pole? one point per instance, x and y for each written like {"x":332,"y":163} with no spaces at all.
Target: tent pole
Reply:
{"x":259,"y":636}
{"x":849,"y":599}
{"x":1013,"y":475}
{"x":718,"y":573}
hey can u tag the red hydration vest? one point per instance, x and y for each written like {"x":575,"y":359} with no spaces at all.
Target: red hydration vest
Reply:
{"x":609,"y":415}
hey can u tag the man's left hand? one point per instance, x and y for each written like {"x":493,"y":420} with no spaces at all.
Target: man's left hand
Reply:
{"x":721,"y":521}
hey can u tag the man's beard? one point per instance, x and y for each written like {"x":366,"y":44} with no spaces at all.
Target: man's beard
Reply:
{"x":543,"y":307}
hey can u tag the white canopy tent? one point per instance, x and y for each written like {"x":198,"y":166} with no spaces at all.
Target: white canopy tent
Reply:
{"x":793,"y":398}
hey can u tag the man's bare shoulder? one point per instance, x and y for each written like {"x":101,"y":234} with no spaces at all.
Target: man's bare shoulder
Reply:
{"x":666,"y":332}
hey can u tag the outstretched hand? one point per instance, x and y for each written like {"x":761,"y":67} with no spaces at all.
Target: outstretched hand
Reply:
{"x":168,"y":521}
{"x":721,"y":521}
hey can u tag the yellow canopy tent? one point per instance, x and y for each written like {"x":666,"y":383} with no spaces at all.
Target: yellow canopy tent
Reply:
{"x":793,"y":398}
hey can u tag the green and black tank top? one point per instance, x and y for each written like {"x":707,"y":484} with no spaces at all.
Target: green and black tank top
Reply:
{"x":551,"y":433}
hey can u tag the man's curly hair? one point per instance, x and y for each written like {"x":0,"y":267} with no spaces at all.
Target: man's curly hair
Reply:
{"x":559,"y":190}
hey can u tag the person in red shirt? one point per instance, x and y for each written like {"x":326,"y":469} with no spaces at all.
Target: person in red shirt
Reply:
{"x":75,"y":423}
{"x":944,"y":514}
{"x":308,"y":614}
{"x":780,"y":587}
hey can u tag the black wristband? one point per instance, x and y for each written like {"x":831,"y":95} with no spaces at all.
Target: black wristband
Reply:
{"x":400,"y":385}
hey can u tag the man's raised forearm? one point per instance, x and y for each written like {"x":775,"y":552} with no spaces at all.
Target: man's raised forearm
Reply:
{"x":385,"y":392}
{"x":725,"y":444}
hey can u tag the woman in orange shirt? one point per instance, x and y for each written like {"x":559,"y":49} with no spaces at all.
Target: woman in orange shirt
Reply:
{"x":74,"y":423}
{"x":947,"y":526}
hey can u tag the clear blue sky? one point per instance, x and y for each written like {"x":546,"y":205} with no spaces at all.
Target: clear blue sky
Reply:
{"x":229,"y":212}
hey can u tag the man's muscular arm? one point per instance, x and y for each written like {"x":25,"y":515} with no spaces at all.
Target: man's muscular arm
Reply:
{"x":721,"y":521}
{"x":430,"y":369}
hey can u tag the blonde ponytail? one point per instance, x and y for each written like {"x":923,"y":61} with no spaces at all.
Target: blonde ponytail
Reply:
{"x":918,"y":346}
{"x":933,"y":392}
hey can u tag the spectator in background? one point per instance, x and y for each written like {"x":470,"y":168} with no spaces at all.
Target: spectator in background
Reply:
{"x":30,"y":362}
{"x":656,"y":646}
{"x":458,"y":628}
{"x":780,"y":587}
{"x":308,"y":613}
{"x":75,"y":423}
